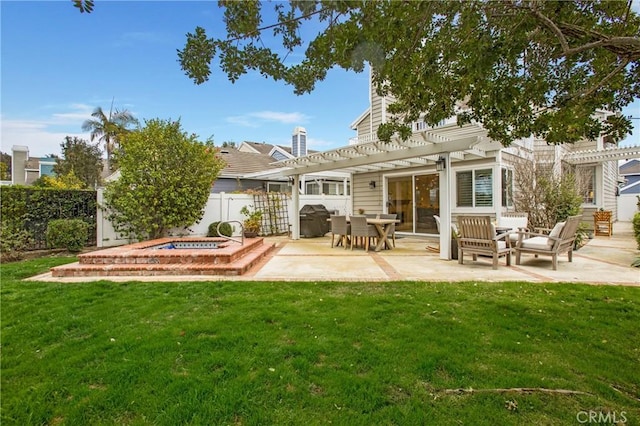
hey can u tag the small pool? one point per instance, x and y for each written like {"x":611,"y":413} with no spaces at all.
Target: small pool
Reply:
{"x":187,"y":245}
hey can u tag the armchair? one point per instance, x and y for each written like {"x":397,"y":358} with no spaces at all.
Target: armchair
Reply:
{"x":559,"y":240}
{"x":478,"y":237}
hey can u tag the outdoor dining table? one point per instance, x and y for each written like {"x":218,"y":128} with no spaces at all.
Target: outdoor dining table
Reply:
{"x":383,"y":226}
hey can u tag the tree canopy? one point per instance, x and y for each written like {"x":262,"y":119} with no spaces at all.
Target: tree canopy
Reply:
{"x":519,"y":67}
{"x":165,"y":180}
{"x":82,"y":159}
{"x":109,"y":129}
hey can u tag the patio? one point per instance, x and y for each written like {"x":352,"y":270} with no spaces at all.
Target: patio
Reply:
{"x":604,"y":260}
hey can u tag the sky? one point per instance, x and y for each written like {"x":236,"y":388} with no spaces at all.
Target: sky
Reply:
{"x":57,"y":65}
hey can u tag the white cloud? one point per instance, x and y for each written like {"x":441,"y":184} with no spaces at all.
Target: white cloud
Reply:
{"x":281,"y":117}
{"x":81,"y":113}
{"x":254,"y":119}
{"x":242,"y":120}
{"x":322,"y":145}
{"x":43,"y":136}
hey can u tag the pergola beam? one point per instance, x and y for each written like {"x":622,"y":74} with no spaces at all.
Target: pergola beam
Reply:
{"x":379,"y":157}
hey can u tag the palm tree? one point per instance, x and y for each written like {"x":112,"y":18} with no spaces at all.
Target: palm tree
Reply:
{"x":109,"y":129}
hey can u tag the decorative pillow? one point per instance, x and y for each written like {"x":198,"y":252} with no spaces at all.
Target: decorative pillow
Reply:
{"x":513,"y":222}
{"x":555,"y":232}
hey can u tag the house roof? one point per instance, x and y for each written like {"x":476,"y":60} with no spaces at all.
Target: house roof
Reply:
{"x":354,"y":124}
{"x":632,"y":185}
{"x":461,"y":142}
{"x":260,"y":147}
{"x":240,"y":163}
{"x":631,"y":167}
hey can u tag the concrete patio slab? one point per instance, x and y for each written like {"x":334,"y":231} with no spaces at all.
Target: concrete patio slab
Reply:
{"x":604,"y":260}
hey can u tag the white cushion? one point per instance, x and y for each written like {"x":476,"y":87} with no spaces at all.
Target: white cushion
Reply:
{"x":555,"y":232}
{"x":513,"y":222}
{"x":537,"y":243}
{"x":502,"y":245}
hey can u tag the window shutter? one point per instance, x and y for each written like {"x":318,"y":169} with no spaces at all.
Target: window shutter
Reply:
{"x":464,"y":189}
{"x":483,"y":188}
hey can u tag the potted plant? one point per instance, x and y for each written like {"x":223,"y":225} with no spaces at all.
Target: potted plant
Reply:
{"x":454,"y":243}
{"x":252,"y":221}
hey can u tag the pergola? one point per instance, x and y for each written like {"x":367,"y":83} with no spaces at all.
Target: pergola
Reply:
{"x":599,"y":156}
{"x":447,"y":144}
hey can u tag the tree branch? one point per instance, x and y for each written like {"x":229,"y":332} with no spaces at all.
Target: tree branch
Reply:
{"x":258,"y":31}
{"x":517,"y":390}
{"x":553,"y":27}
{"x":608,"y":77}
{"x":631,"y":45}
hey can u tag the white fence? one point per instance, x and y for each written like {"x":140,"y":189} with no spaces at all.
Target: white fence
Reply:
{"x":220,"y":207}
{"x":627,"y":207}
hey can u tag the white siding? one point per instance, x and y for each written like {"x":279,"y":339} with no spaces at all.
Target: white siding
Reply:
{"x":364,"y":197}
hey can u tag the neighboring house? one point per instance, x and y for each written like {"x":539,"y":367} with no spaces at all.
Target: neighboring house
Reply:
{"x":247,"y":160}
{"x":630,"y":177}
{"x":25,"y":170}
{"x":629,"y":192}
{"x":451,"y":170}
{"x":252,"y":166}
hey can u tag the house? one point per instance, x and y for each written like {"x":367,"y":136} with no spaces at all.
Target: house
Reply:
{"x":630,"y":177}
{"x":451,"y":170}
{"x":252,"y":165}
{"x":243,"y":161}
{"x":25,"y":170}
{"x":629,"y":190}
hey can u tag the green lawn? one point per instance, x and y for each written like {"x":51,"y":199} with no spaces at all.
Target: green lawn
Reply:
{"x":273,"y":353}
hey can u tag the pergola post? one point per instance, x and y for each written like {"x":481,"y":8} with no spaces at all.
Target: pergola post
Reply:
{"x":295,"y":199}
{"x":445,"y":208}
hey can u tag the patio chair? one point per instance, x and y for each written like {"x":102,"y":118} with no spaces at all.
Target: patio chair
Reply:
{"x":392,"y":231}
{"x":454,"y":233}
{"x":516,"y":221}
{"x":360,"y":229}
{"x":559,"y":240}
{"x":339,"y":228}
{"x":478,"y":237}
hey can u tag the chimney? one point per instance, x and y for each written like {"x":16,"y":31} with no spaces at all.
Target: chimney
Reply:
{"x":19,"y":157}
{"x":299,"y":142}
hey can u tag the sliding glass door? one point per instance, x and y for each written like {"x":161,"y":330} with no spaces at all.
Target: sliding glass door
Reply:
{"x":415,"y":199}
{"x":427,"y":203}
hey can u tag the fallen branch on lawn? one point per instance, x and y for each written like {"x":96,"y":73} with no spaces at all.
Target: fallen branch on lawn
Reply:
{"x":518,"y":390}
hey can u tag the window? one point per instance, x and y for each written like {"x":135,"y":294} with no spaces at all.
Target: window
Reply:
{"x":328,"y":188}
{"x":279,"y":187}
{"x":474,"y":188}
{"x":586,"y":179}
{"x":507,"y":187}
{"x":313,"y":188}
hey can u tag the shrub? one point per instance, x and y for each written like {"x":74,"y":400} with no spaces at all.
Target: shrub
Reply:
{"x":225,"y":229}
{"x":636,"y":227}
{"x":582,"y":236}
{"x":71,"y":234}
{"x":13,"y":242}
{"x":30,"y":209}
{"x":165,"y":180}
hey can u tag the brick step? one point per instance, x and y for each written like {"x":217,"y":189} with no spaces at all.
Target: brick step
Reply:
{"x":237,"y":267}
{"x":227,"y":253}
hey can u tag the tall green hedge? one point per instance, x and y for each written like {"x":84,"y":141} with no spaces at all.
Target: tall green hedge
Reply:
{"x":30,"y":209}
{"x":636,"y":227}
